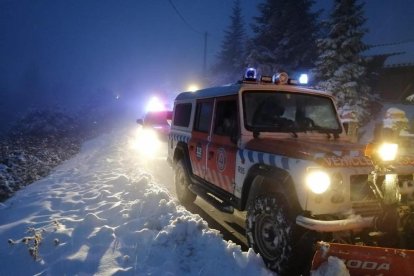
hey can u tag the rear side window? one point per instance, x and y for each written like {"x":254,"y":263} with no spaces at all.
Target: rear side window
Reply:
{"x":182,"y":115}
{"x":204,"y":112}
{"x":226,"y":122}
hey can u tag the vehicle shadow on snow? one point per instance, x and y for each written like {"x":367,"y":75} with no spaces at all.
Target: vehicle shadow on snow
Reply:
{"x":228,"y":235}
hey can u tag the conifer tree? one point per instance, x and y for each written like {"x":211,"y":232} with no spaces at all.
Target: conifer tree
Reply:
{"x":285,"y":36}
{"x":230,"y":63}
{"x":340,"y":67}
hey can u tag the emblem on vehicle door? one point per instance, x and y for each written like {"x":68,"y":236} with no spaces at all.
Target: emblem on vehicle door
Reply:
{"x":221,"y":159}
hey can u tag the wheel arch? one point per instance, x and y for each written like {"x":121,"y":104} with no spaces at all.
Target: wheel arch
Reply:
{"x":181,"y":153}
{"x":269,"y":179}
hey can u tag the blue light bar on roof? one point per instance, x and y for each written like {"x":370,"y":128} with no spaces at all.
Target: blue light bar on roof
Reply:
{"x":250,"y":74}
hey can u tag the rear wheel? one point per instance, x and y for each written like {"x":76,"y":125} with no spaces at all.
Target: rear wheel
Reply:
{"x":273,"y":233}
{"x":184,"y":195}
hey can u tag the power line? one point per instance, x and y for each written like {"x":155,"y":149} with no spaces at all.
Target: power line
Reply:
{"x":204,"y":34}
{"x":184,"y":20}
{"x":404,"y":41}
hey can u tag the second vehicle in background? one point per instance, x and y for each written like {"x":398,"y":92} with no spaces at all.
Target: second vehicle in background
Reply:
{"x":152,"y":134}
{"x":158,"y":121}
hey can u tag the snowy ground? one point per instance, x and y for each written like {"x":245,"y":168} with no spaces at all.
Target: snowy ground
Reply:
{"x":100,"y":213}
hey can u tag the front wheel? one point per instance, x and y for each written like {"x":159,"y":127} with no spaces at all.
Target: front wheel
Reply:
{"x":184,"y":195}
{"x":272,"y":232}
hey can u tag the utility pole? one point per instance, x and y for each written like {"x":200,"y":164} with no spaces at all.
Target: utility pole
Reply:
{"x":204,"y":69}
{"x":205,"y":55}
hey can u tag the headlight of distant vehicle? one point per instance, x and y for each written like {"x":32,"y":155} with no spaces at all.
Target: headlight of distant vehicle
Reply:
{"x":147,"y":142}
{"x":317,"y":181}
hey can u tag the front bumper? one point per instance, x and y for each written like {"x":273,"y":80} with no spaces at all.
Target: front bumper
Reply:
{"x":351,"y":223}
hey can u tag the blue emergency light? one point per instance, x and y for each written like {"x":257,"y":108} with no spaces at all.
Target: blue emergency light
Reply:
{"x":250,"y":74}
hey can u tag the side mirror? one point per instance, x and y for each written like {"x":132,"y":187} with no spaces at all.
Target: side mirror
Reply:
{"x":140,"y":122}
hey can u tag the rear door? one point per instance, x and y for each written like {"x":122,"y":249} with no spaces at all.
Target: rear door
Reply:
{"x":222,"y":149}
{"x":200,"y":137}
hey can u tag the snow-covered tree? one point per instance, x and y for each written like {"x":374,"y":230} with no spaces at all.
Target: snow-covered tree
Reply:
{"x":340,"y":67}
{"x":230,"y":64}
{"x":285,"y":36}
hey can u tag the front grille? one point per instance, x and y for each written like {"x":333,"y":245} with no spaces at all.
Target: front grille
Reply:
{"x":360,"y":190}
{"x":366,"y":208}
{"x":363,"y":199}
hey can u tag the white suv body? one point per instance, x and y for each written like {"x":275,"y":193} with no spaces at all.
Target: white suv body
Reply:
{"x":232,"y":145}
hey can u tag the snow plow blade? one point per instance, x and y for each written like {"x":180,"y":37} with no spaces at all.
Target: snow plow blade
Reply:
{"x":367,"y":260}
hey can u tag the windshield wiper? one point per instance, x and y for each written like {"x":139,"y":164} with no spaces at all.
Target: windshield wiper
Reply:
{"x":292,"y":130}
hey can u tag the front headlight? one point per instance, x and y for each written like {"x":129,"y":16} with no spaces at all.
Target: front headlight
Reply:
{"x":318,"y":181}
{"x":387,"y":151}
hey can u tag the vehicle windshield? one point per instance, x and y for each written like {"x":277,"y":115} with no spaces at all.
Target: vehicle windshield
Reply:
{"x":280,"y":111}
{"x":160,"y":118}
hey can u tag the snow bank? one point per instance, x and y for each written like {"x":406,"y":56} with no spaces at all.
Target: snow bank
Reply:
{"x":100,"y":213}
{"x":333,"y":266}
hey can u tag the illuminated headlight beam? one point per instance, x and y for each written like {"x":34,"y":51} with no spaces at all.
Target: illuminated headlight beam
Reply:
{"x":147,"y":143}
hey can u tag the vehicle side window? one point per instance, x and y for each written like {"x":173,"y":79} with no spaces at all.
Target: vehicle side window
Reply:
{"x":182,"y":115}
{"x":204,"y":112}
{"x":226,"y":122}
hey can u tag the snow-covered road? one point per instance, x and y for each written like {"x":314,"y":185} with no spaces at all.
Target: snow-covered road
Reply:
{"x":102,"y":213}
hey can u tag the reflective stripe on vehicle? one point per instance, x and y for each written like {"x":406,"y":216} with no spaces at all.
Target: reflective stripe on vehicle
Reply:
{"x":267,"y":159}
{"x":179,"y":137}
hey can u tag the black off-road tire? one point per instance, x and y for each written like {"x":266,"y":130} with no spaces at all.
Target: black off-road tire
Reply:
{"x":181,"y":179}
{"x":271,"y":232}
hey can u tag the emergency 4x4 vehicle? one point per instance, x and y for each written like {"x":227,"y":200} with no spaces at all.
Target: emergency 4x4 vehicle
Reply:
{"x":279,"y":152}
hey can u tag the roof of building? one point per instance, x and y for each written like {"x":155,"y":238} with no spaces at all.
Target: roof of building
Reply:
{"x":399,"y":54}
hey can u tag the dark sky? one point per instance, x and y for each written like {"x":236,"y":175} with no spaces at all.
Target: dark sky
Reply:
{"x":135,"y":46}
